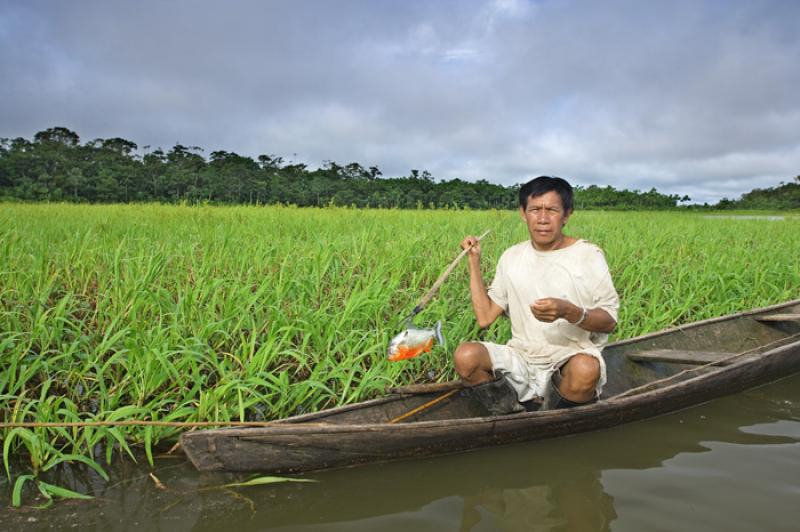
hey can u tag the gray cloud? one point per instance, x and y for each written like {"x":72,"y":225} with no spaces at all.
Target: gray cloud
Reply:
{"x":695,"y":98}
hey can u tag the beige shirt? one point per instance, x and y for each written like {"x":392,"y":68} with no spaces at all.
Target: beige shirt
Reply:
{"x":578,"y":273}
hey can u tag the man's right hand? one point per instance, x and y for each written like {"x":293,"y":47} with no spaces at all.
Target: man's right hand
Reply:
{"x":472,"y":243}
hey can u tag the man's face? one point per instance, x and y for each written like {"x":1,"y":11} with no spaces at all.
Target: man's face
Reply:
{"x":545,"y":218}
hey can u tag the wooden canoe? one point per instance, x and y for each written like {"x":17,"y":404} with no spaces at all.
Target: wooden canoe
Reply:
{"x":647,"y":376}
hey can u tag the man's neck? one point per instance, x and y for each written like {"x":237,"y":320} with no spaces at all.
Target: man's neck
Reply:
{"x":563,"y":241}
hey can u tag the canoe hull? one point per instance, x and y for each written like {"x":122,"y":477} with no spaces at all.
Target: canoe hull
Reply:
{"x":310,"y":442}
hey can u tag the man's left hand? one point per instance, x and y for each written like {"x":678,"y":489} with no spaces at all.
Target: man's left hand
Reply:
{"x":549,"y":309}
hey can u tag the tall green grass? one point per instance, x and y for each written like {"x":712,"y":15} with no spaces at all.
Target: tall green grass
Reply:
{"x":242,"y":313}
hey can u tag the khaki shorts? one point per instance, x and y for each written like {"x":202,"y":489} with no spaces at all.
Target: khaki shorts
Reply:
{"x":529,"y":377}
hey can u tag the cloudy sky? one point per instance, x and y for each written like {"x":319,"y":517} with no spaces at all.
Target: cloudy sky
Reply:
{"x":691,"y":97}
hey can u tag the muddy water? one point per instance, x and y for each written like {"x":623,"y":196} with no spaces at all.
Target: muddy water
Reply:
{"x":732,"y":464}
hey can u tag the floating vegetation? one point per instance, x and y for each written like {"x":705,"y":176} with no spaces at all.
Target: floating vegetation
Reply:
{"x":186,"y":314}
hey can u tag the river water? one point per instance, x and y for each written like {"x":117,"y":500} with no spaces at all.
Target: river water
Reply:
{"x":729,"y":465}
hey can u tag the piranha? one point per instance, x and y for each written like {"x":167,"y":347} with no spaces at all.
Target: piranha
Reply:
{"x":414,"y":341}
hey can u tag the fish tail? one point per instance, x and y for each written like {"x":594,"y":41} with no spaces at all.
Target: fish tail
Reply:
{"x":437,"y":330}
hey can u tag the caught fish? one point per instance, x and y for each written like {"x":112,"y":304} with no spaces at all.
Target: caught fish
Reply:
{"x":414,"y":341}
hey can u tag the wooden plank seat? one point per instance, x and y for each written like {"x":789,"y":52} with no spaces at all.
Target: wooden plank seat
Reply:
{"x":676,"y":356}
{"x":779,"y":317}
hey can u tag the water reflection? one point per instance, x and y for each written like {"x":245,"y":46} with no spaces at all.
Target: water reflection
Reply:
{"x":619,"y":479}
{"x":577,"y":504}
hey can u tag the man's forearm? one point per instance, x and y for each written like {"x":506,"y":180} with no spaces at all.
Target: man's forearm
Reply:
{"x":481,"y":302}
{"x":597,"y":319}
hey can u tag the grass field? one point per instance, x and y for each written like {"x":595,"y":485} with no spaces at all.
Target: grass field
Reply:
{"x":214,"y":313}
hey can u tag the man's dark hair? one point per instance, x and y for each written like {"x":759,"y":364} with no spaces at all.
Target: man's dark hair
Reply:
{"x":544,"y":184}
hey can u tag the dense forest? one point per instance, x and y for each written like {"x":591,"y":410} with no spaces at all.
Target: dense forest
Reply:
{"x":783,"y":196}
{"x":55,"y":166}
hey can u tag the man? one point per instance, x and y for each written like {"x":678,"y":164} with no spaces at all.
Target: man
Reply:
{"x":558,"y":293}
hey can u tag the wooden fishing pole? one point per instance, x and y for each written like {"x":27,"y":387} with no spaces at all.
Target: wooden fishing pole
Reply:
{"x":423,"y":407}
{"x":144,"y":423}
{"x":427,"y":297}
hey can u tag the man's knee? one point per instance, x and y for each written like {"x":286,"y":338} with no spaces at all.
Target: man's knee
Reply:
{"x":470,"y":357}
{"x":582,"y":372}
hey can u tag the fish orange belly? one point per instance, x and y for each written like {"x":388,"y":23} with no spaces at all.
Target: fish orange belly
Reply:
{"x":405,"y":352}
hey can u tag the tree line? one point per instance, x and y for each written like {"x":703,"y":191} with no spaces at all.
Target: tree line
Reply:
{"x":783,"y":196}
{"x":56,"y":166}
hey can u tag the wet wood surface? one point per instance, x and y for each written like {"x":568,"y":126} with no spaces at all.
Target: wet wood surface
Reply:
{"x":681,"y":357}
{"x":637,"y":389}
